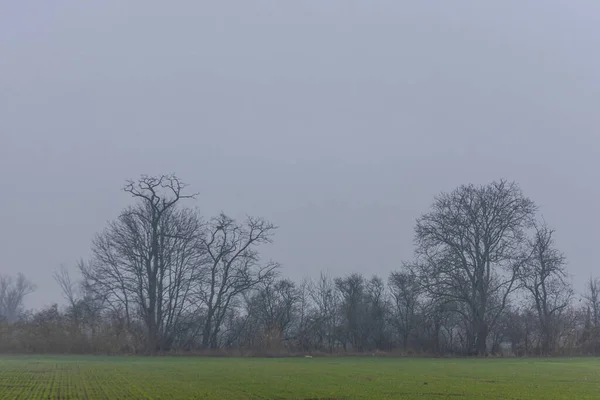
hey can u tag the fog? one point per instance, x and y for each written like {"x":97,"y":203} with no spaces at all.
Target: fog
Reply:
{"x":337,"y":120}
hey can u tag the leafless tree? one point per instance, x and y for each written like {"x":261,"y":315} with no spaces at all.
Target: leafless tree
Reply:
{"x":83,"y":315}
{"x":592,"y":300}
{"x":272,"y":314}
{"x":325,"y":316}
{"x":363,"y":312}
{"x":353,"y":310}
{"x":145,"y":262}
{"x":469,"y":249}
{"x":302,"y":339}
{"x":589,"y":339}
{"x":67,"y":285}
{"x":233,"y":266}
{"x":377,"y":314}
{"x":12,"y":294}
{"x":544,"y":277}
{"x":405,"y":291}
{"x":277,"y":300}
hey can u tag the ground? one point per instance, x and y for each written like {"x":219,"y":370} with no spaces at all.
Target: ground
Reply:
{"x":70,"y":377}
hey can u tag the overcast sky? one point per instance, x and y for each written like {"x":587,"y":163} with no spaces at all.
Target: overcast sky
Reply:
{"x":337,"y":120}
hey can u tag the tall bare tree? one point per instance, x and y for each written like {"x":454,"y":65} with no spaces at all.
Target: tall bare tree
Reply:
{"x":145,"y":262}
{"x":233,"y":267}
{"x":544,"y":277}
{"x":12,"y":294}
{"x":469,"y":246}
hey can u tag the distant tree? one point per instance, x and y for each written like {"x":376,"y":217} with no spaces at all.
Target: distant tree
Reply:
{"x":592,"y":300}
{"x":405,"y":290}
{"x":232,"y":267}
{"x":590,"y":336}
{"x":68,"y":287}
{"x":325,"y":315}
{"x":353,"y":306}
{"x":377,"y":314}
{"x":273,"y":310}
{"x":433,"y":318}
{"x":544,"y":278}
{"x":277,"y":302}
{"x":12,"y":294}
{"x":470,"y":250}
{"x":516,"y":327}
{"x":302,"y":323}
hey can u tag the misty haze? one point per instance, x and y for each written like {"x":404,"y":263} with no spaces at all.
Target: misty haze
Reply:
{"x":303,"y":180}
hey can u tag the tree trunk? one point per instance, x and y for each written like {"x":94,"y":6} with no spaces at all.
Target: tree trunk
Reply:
{"x":206,"y":332}
{"x":481,"y":341}
{"x":151,"y":321}
{"x":214,"y":344}
{"x":547,"y":340}
{"x":152,"y":334}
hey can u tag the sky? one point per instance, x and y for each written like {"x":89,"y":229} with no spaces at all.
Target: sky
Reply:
{"x":338,"y":120}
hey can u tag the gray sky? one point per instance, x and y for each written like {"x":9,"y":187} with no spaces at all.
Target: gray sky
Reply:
{"x":337,"y":120}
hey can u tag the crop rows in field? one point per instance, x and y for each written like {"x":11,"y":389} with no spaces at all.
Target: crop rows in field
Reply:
{"x":54,"y":378}
{"x":48,"y":380}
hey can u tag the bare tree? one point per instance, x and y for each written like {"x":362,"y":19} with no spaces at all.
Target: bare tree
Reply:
{"x":377,"y":314}
{"x":302,"y":339}
{"x":544,"y":277}
{"x":277,"y":300}
{"x":589,"y":338}
{"x":233,"y":267}
{"x":405,"y":291}
{"x":12,"y":294}
{"x":325,"y":315}
{"x":272,"y":313}
{"x":470,"y":250}
{"x":592,"y":299}
{"x":145,"y":261}
{"x":67,"y":286}
{"x":83,"y":314}
{"x":353,"y":309}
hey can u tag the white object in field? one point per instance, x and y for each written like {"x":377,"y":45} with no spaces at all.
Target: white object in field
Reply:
{"x":307,"y":356}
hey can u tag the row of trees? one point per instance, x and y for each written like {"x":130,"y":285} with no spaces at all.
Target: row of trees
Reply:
{"x":487,"y":277}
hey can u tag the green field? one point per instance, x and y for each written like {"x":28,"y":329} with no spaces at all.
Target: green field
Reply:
{"x":317,"y":378}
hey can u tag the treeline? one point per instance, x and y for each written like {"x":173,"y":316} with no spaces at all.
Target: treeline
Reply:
{"x":487,"y":277}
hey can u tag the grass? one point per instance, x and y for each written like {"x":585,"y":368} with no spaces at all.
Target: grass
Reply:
{"x":70,"y":377}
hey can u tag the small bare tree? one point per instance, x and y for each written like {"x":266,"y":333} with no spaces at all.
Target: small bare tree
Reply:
{"x":273,"y":308}
{"x":406,"y":292}
{"x":277,"y":301}
{"x":544,"y":277}
{"x":353,"y":308}
{"x":69,"y":288}
{"x":592,"y":300}
{"x":470,"y":250}
{"x":378,"y":310}
{"x":232,"y":267}
{"x":325,"y":316}
{"x":12,"y":294}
